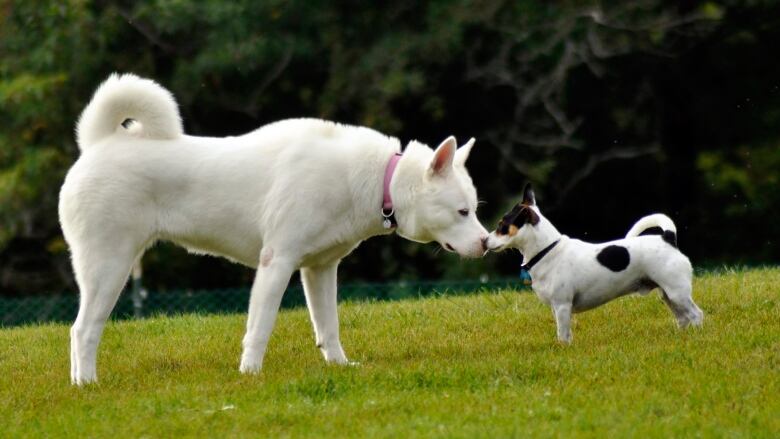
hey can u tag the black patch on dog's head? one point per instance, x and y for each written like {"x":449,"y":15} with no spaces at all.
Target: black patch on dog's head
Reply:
{"x":520,"y":215}
{"x":667,"y":235}
{"x":516,"y":218}
{"x":614,"y":257}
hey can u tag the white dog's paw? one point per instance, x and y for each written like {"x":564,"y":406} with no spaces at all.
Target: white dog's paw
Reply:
{"x":248,"y":369}
{"x":336,"y":359}
{"x":250,"y":366}
{"x":83,"y":380}
{"x":333,"y":353}
{"x":344,"y":362}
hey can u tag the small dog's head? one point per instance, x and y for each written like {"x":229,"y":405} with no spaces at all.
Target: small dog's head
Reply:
{"x":442,"y":206}
{"x":518,"y":226}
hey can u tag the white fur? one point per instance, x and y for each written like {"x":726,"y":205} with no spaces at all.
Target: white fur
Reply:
{"x":121,"y":97}
{"x":570,"y":278}
{"x":293,"y":194}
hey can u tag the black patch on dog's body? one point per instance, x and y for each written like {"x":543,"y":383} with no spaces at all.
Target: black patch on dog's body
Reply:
{"x":655,"y":230}
{"x":614,"y":257}
{"x":670,"y":237}
{"x":667,"y":235}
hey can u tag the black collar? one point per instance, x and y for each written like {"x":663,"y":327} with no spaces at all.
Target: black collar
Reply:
{"x":535,"y":260}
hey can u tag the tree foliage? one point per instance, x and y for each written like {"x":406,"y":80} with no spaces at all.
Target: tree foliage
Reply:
{"x":613,"y":109}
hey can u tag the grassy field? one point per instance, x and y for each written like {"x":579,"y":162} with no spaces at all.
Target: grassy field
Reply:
{"x":485,"y":365}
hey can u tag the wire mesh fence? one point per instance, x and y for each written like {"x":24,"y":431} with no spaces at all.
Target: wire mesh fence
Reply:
{"x":136,"y":302}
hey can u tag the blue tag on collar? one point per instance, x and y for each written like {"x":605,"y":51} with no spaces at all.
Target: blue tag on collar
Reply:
{"x":525,"y":276}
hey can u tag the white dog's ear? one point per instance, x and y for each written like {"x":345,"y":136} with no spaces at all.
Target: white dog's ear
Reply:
{"x":462,"y":154}
{"x":529,"y":197}
{"x":441,"y":164}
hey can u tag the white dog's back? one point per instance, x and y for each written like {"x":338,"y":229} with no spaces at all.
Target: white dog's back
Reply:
{"x":160,"y":183}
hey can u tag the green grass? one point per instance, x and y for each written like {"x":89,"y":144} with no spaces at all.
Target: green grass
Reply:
{"x":485,"y":365}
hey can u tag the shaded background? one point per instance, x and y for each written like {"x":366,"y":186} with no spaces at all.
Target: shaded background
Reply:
{"x":614,"y":110}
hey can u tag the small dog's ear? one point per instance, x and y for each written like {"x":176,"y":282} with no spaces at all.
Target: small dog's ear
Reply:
{"x":462,"y":154}
{"x":443,"y":157}
{"x":528,"y":196}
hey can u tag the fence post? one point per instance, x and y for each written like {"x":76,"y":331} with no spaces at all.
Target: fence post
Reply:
{"x":138,"y":292}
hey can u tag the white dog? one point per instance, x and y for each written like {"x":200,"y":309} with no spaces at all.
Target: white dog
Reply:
{"x":293,"y":194}
{"x":573,"y":276}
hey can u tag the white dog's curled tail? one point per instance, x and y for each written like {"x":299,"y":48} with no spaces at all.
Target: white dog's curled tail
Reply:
{"x":655,"y":224}
{"x":129,"y":103}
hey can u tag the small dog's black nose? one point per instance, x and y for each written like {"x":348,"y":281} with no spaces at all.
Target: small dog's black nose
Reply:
{"x":485,"y":243}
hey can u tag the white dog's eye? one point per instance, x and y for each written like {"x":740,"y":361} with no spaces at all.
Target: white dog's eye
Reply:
{"x":464,"y":212}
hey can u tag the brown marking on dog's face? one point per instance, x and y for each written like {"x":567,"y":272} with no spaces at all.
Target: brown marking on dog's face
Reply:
{"x":516,"y":218}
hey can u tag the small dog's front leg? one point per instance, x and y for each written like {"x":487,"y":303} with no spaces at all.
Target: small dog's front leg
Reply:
{"x":562,"y":313}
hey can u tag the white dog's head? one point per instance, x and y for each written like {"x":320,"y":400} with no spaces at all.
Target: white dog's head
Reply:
{"x":440,"y":202}
{"x":523,"y":227}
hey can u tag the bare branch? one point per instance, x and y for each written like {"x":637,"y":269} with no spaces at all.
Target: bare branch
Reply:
{"x":621,"y":153}
{"x":271,"y":76}
{"x":146,"y":30}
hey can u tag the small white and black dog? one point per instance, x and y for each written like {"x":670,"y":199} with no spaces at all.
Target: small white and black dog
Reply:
{"x":574,"y":276}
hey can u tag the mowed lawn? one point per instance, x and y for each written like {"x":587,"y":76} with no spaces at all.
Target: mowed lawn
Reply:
{"x":484,"y":365}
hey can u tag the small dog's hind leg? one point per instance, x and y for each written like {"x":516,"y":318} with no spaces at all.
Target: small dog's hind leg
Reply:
{"x":562,"y":313}
{"x":319,"y":285}
{"x":273,"y":275}
{"x":675,"y":281}
{"x":682,"y":305}
{"x":679,"y":315}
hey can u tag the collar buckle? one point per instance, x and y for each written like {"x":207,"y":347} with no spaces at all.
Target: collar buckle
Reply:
{"x":389,"y":218}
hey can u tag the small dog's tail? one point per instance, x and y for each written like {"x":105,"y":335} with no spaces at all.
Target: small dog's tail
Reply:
{"x":125,"y":101}
{"x":655,"y":224}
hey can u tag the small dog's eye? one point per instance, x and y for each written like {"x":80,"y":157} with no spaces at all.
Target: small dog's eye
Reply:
{"x":464,"y":212}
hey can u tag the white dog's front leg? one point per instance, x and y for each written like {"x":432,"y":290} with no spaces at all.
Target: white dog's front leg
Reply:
{"x":563,"y":321}
{"x":319,"y":285}
{"x":269,"y":285}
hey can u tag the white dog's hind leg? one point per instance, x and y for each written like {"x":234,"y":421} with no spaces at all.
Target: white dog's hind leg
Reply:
{"x":319,"y":285}
{"x":562,"y":313}
{"x":101,"y":275}
{"x":273,"y":275}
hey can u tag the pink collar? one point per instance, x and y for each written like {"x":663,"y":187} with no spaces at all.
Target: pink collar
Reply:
{"x":388,"y":212}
